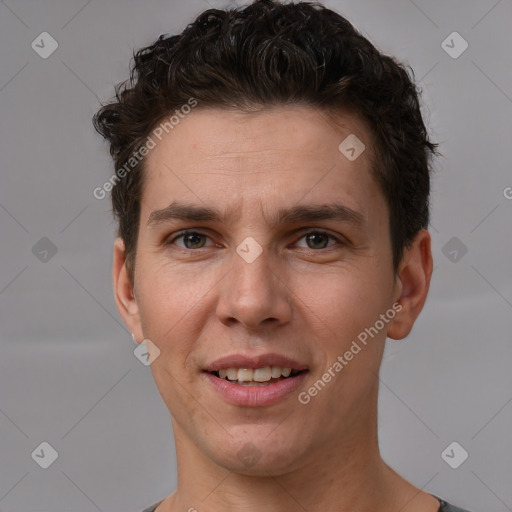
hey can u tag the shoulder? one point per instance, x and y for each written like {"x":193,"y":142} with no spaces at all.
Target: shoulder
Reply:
{"x":447,"y":507}
{"x":152,"y":507}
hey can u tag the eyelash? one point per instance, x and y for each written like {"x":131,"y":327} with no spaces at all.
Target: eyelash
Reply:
{"x":185,"y":232}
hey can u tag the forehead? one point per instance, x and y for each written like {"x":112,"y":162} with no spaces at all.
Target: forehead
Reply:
{"x":279,"y":155}
{"x":223,"y":133}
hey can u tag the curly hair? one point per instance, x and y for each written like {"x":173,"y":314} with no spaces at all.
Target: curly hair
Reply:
{"x":267,"y":54}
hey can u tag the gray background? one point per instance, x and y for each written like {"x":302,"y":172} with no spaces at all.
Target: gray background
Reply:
{"x":68,"y":375}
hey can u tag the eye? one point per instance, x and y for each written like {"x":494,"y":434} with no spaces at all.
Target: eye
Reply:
{"x":191,"y":239}
{"x":318,"y":239}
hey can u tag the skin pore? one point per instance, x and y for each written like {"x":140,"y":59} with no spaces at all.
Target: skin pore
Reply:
{"x":316,"y":285}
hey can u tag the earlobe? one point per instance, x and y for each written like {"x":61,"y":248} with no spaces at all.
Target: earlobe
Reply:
{"x":124,"y":292}
{"x":413,"y":282}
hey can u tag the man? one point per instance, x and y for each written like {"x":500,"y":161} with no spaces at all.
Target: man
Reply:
{"x":271,"y":187}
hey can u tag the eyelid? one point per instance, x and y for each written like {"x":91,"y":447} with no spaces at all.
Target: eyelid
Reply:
{"x":180,"y":234}
{"x":339,"y":239}
{"x":301,"y":233}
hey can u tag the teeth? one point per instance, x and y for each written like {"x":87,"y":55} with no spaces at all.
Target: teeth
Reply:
{"x":257,"y":375}
{"x":276,"y":372}
{"x":245,"y":374}
{"x":262,"y":374}
{"x":232,"y":373}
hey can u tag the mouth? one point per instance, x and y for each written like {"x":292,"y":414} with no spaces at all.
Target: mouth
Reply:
{"x":264,"y":376}
{"x":254,"y":381}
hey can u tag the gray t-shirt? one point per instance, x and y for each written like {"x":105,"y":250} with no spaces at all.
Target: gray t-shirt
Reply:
{"x":444,"y":507}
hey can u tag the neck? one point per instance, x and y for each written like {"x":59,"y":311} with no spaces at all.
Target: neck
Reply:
{"x":349,"y":472}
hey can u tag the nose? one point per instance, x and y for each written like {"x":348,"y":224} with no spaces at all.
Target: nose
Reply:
{"x":254,"y":295}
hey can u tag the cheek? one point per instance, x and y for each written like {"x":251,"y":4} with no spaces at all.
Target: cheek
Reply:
{"x":345,"y":301}
{"x":167,"y":299}
{"x":171,"y":309}
{"x":349,"y":306}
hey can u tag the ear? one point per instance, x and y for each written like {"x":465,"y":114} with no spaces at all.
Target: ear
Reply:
{"x":413,"y":282}
{"x":124,"y":292}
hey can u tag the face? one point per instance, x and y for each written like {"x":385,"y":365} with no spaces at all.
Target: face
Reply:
{"x":285,"y":261}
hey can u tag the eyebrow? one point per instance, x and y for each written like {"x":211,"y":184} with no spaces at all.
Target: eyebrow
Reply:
{"x":295,"y":214}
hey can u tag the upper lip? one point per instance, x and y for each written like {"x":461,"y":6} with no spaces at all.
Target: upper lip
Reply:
{"x":242,"y":361}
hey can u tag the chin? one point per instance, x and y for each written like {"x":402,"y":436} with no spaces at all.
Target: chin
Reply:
{"x":258,"y":453}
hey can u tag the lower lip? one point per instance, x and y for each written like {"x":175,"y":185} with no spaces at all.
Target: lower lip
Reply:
{"x":255,"y":396}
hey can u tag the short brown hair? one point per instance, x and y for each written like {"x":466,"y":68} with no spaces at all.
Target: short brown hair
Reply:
{"x":268,"y":54}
